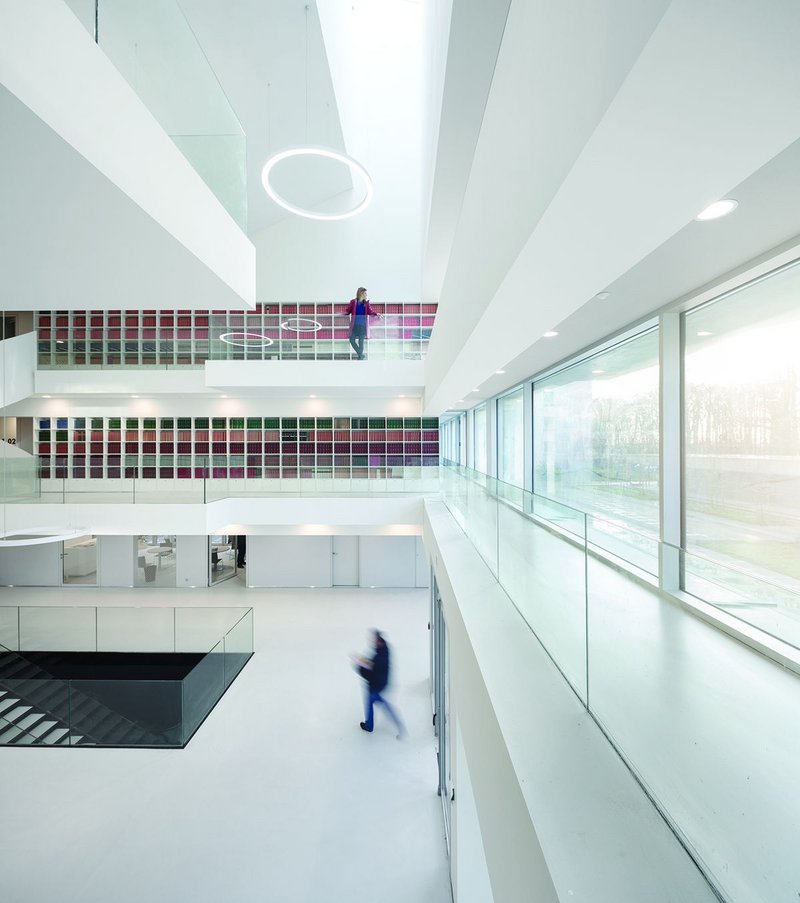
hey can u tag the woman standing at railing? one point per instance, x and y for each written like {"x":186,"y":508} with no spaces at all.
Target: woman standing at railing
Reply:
{"x":359,"y":309}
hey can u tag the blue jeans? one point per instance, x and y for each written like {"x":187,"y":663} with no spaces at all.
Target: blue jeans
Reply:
{"x":357,"y":336}
{"x":372,"y":699}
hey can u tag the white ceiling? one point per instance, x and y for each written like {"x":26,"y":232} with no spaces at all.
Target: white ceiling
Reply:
{"x":280,"y":88}
{"x":601,"y":139}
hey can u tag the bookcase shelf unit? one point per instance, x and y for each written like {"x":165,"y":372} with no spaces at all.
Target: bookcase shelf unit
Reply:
{"x":246,"y":448}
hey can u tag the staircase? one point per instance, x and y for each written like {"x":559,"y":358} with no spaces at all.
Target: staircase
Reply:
{"x":37,"y":709}
{"x":21,"y":725}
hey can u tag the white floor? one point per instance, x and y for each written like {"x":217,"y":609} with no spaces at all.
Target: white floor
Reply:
{"x":278,"y":797}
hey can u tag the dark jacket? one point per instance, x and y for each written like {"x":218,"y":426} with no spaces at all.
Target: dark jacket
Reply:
{"x":378,"y":675}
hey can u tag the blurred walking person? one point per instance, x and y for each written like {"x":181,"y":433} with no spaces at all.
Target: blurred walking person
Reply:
{"x":375,"y":672}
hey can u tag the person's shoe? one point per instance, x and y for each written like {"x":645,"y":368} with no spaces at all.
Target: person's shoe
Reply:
{"x":363,"y":726}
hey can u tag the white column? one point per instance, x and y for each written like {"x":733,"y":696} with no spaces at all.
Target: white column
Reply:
{"x":670,"y":450}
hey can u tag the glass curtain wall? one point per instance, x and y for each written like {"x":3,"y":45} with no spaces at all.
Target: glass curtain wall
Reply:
{"x":742,"y":429}
{"x":596,"y":435}
{"x":510,"y":438}
{"x":479,"y":439}
{"x":451,"y":439}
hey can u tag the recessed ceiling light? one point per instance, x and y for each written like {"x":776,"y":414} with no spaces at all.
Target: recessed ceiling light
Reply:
{"x":223,"y":396}
{"x":312,"y":396}
{"x":401,"y":396}
{"x":47,"y":396}
{"x":717,"y":209}
{"x":499,"y":371}
{"x":598,"y":371}
{"x":602,"y":296}
{"x":460,"y":402}
{"x":476,"y":390}
{"x":134,"y":396}
{"x":551,"y":333}
{"x":704,"y":332}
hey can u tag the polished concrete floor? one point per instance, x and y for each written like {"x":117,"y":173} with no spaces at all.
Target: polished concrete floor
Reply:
{"x":278,"y":797}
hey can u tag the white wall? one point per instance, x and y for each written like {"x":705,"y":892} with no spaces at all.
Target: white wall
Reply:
{"x":38,"y":565}
{"x":108,"y":393}
{"x":387,"y":561}
{"x":17,"y":366}
{"x":422,"y":564}
{"x":191,"y":561}
{"x":468,"y":870}
{"x":115,"y":561}
{"x":272,"y":560}
{"x":289,"y":561}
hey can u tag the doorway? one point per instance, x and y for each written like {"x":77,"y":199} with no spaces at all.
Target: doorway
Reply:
{"x":345,"y":560}
{"x":79,"y":561}
{"x":221,"y":559}
{"x":441,"y":703}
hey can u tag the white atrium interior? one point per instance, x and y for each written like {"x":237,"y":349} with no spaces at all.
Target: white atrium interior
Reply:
{"x":564,"y":479}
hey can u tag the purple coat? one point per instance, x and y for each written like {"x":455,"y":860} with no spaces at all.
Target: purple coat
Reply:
{"x":351,"y":312}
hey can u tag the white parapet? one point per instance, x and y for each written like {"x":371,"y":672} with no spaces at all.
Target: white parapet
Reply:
{"x":103,"y":210}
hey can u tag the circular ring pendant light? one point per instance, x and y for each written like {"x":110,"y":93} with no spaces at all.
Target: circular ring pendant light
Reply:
{"x":355,"y":167}
{"x":295,"y":324}
{"x":247,"y":339}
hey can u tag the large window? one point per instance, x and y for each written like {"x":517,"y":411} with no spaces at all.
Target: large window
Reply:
{"x":595,"y":428}
{"x":510,"y":438}
{"x":479,"y":438}
{"x":742,"y":428}
{"x":451,"y":439}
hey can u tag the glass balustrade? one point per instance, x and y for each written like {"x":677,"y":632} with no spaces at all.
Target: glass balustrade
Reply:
{"x":710,"y":729}
{"x":103,"y":694}
{"x":170,"y":339}
{"x":154,"y":48}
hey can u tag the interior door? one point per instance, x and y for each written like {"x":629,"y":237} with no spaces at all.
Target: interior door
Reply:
{"x":345,"y":561}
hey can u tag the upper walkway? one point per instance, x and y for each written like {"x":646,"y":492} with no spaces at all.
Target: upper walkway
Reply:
{"x":186,"y":338}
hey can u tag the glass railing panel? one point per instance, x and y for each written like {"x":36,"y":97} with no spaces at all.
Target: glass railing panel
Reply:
{"x":11,"y":734}
{"x":57,"y":629}
{"x":506,"y":492}
{"x":202,"y":688}
{"x":269,"y":333}
{"x":544,"y":575}
{"x":126,"y":712}
{"x":221,"y":162}
{"x":135,"y":629}
{"x":199,"y":629}
{"x":630,"y":546}
{"x":19,"y":479}
{"x":238,"y":646}
{"x":771,"y":608}
{"x":9,"y":626}
{"x":155,"y":50}
{"x":42,"y":707}
{"x":482,"y":520}
{"x":561,"y":517}
{"x":711,"y":729}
